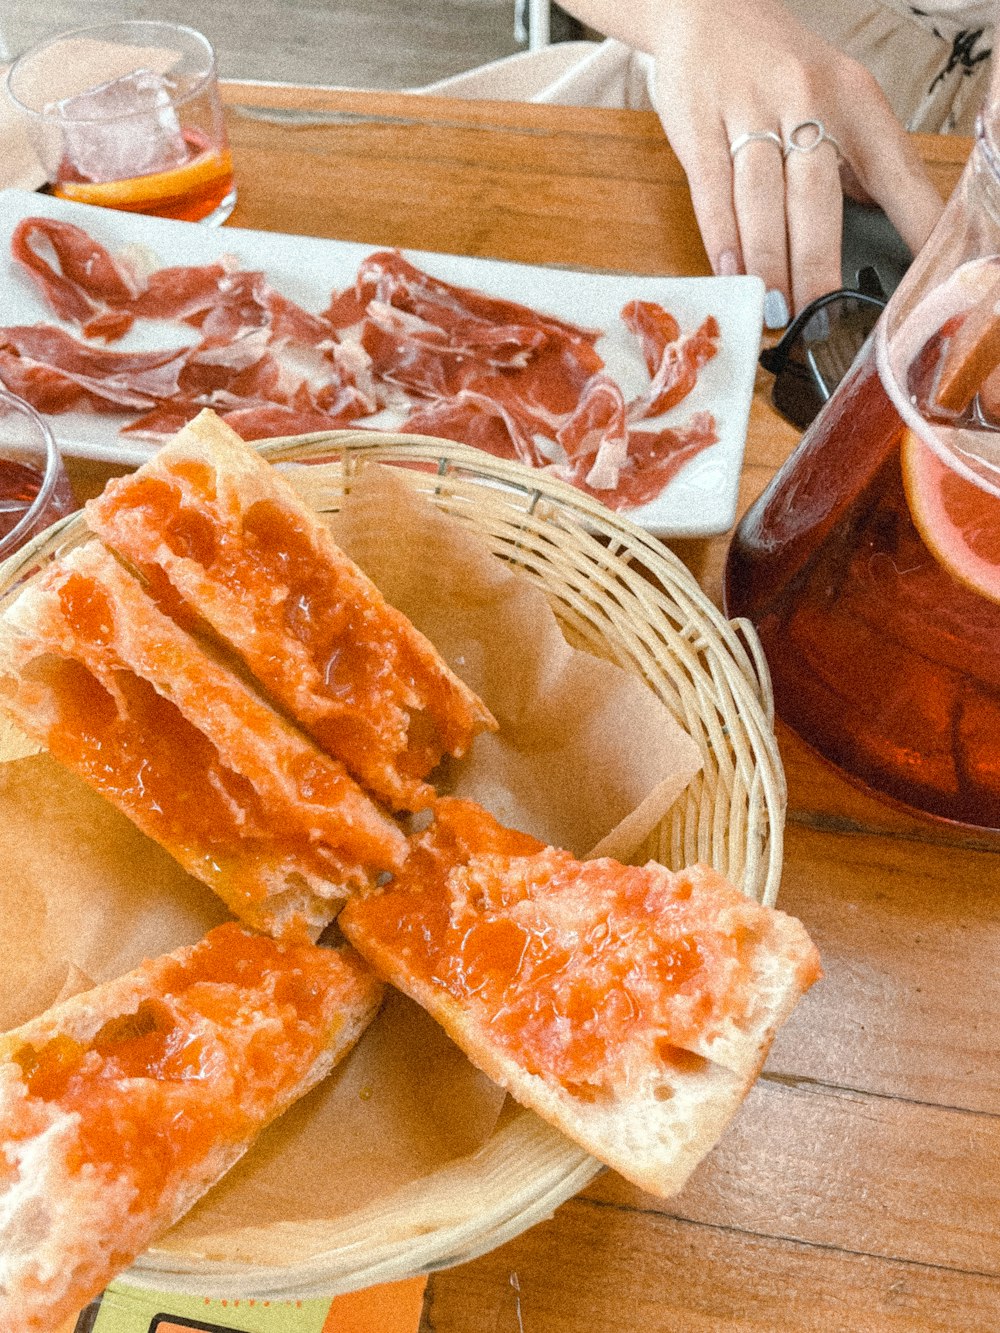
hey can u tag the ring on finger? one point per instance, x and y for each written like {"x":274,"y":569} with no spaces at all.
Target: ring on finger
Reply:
{"x":806,"y":137}
{"x":754,"y":136}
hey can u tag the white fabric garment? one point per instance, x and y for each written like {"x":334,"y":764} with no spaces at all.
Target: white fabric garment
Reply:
{"x":932,"y":62}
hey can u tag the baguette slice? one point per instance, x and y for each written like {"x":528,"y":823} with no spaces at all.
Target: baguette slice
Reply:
{"x":120,"y":1107}
{"x":631,"y":1007}
{"x":220,"y":534}
{"x":94,"y":671}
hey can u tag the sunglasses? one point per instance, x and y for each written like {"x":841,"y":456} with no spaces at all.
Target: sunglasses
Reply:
{"x":818,"y":347}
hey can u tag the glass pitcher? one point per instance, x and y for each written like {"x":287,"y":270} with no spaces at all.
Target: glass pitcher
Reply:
{"x":871,"y":565}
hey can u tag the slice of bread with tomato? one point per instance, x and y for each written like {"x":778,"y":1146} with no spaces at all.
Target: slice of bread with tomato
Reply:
{"x":631,"y":1007}
{"x":120,"y":1107}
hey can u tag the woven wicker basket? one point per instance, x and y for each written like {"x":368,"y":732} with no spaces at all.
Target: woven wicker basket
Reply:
{"x":621,"y":595}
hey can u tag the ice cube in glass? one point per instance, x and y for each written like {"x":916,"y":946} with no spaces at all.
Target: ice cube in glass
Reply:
{"x":125,"y":127}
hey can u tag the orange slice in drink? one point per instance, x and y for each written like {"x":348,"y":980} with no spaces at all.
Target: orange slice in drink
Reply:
{"x":958,"y":520}
{"x":160,"y":192}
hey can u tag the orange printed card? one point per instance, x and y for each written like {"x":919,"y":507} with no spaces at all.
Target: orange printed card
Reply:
{"x":392,"y":1308}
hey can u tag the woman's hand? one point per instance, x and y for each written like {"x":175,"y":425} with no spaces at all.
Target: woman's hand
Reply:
{"x":727,"y":68}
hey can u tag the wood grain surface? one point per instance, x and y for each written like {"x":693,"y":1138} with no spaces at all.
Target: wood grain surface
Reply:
{"x":858,"y":1188}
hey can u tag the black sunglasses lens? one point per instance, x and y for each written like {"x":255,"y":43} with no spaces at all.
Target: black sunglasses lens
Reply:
{"x":796,"y":395}
{"x":817,"y":353}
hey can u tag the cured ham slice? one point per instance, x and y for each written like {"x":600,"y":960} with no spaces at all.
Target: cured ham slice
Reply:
{"x":86,"y":285}
{"x":596,"y":432}
{"x":462,"y":313}
{"x":654,"y":459}
{"x":480,"y":418}
{"x":79,"y":278}
{"x":252,"y":419}
{"x":247,"y":300}
{"x":186,"y":293}
{"x":54,"y":371}
{"x":455,"y":362}
{"x":137,"y":707}
{"x":162,"y":422}
{"x":208,"y":518}
{"x":673,"y":359}
{"x":266,"y":421}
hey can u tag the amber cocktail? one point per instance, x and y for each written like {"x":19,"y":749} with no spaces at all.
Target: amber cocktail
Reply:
{"x":871,"y":566}
{"x":127,"y":115}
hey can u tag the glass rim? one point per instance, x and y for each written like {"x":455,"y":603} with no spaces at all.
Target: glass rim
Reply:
{"x":50,"y":479}
{"x":91,"y":30}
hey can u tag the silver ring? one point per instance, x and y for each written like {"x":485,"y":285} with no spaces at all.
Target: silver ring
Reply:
{"x":742,"y":140}
{"x":819,"y":136}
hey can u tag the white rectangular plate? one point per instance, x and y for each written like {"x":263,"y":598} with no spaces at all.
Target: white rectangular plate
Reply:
{"x":699,"y":501}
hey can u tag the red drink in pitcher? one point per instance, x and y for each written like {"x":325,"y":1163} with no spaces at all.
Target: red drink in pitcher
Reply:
{"x":871,"y":569}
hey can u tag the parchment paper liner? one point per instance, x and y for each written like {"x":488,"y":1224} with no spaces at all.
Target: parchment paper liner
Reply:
{"x":406,"y":1140}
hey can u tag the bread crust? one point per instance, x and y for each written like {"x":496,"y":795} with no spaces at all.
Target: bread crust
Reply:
{"x":71,"y":1217}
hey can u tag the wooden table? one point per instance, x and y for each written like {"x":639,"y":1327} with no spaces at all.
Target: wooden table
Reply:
{"x":858,"y":1188}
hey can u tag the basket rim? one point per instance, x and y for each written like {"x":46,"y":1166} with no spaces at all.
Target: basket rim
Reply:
{"x":532,"y":481}
{"x":571,"y":1171}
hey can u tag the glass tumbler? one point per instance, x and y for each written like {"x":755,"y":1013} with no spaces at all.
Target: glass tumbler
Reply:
{"x":34,"y":489}
{"x":127,"y":115}
{"x":870,"y":567}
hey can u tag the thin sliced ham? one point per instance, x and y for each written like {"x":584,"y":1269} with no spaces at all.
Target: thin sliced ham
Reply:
{"x":81,"y":281}
{"x":461,"y":365}
{"x":55,"y":371}
{"x":673,"y":358}
{"x":269,"y":420}
{"x":246,"y":300}
{"x":161,"y":422}
{"x":185,"y":293}
{"x":479,"y":419}
{"x":596,"y":432}
{"x":654,"y":459}
{"x":388,"y":277}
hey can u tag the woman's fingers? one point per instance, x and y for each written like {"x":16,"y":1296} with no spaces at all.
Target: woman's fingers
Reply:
{"x":761,"y":213}
{"x":777,"y":217}
{"x":704,"y":155}
{"x":888,"y":168}
{"x":764,"y":209}
{"x":739,"y":205}
{"x":759,"y":204}
{"x":814,"y":210}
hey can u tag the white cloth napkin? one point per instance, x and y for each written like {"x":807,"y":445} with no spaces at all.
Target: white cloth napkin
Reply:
{"x":604,"y":73}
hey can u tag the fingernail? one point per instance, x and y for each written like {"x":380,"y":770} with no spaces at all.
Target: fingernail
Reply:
{"x":728,"y":264}
{"x":775,"y":309}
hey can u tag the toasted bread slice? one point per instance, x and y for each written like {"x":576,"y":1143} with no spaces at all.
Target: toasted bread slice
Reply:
{"x":632,"y":1007}
{"x":120,"y":1107}
{"x":135,"y":705}
{"x":218,"y":532}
